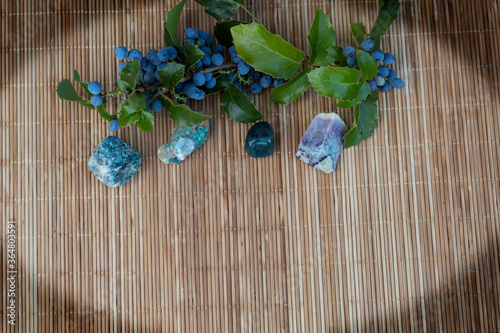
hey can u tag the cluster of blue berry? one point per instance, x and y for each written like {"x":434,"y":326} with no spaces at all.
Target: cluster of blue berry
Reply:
{"x":386,"y":78}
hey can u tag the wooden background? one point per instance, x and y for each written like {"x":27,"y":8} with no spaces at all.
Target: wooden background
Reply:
{"x":404,"y":236}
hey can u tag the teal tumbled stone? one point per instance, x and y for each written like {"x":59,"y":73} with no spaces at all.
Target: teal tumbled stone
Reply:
{"x":113,"y":162}
{"x":260,"y":140}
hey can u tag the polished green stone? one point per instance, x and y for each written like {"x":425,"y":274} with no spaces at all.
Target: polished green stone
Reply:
{"x":260,"y":140}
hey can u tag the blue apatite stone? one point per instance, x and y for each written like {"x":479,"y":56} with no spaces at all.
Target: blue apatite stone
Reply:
{"x":322,"y":143}
{"x":260,"y":140}
{"x":114,"y":162}
{"x":183,"y":142}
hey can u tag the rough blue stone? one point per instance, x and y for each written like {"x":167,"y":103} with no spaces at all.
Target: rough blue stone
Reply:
{"x":322,"y":143}
{"x":183,"y":142}
{"x":260,"y":140}
{"x":114,"y":162}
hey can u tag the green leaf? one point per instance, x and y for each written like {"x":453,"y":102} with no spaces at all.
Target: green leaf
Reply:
{"x":171,"y":27}
{"x":239,"y":106}
{"x":363,"y":90}
{"x":291,"y":91}
{"x":336,"y":82}
{"x":336,"y":56}
{"x":267,"y":52}
{"x":321,"y":37}
{"x":103,"y":113}
{"x":183,"y":116}
{"x":171,"y":74}
{"x":365,"y":120}
{"x":127,"y":115}
{"x":221,"y":9}
{"x":387,"y":14}
{"x":374,"y":96}
{"x":358,"y":31}
{"x":128,"y":76}
{"x":220,"y":86}
{"x":193,"y":55}
{"x":137,"y":100}
{"x":223,"y":32}
{"x":146,"y":122}
{"x":367,"y":65}
{"x":67,"y":92}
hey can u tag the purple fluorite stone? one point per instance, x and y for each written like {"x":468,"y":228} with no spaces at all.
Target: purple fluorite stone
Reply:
{"x":322,"y":143}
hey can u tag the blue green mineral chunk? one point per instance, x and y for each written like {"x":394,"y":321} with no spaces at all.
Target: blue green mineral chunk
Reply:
{"x":183,"y":142}
{"x":260,"y":140}
{"x":113,"y":162}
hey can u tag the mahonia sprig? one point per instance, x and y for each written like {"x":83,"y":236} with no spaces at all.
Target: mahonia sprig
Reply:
{"x":248,"y":56}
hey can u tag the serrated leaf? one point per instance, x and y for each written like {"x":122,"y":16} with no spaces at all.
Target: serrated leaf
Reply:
{"x":220,"y":86}
{"x":267,"y":52}
{"x":387,"y":14}
{"x":336,"y":56}
{"x":365,"y":121}
{"x":192,"y":55}
{"x":128,"y":76}
{"x":171,"y":74}
{"x":183,"y":116}
{"x":127,"y":115}
{"x":374,"y":96}
{"x":67,"y":92}
{"x":336,"y":82}
{"x":239,"y":106}
{"x":137,"y":100}
{"x":146,"y":121}
{"x":221,"y":9}
{"x":321,"y":37}
{"x":367,"y":65}
{"x":103,"y":113}
{"x":171,"y":26}
{"x":223,"y":32}
{"x":358,"y":31}
{"x":363,"y":90}
{"x":292,"y":90}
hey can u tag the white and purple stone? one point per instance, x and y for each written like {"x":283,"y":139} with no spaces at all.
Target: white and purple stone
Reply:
{"x":322,"y":143}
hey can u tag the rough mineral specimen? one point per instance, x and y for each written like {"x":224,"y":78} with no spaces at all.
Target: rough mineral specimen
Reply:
{"x":183,"y":142}
{"x":114,"y":162}
{"x":322,"y":143}
{"x":260,"y":140}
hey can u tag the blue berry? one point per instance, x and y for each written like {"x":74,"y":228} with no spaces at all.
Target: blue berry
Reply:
{"x":236,"y":59}
{"x":208,"y":76}
{"x":95,"y":88}
{"x":178,"y":88}
{"x":392,"y":74}
{"x":190,"y":41}
{"x":266,"y":81}
{"x":256,"y":88}
{"x":207,"y":62}
{"x":156,"y":105}
{"x":96,"y":100}
{"x":114,"y":125}
{"x":157,"y":75}
{"x":201,"y":42}
{"x":189,"y":85}
{"x":352,"y":62}
{"x":202,"y":34}
{"x":210,"y":40}
{"x":367,"y":44}
{"x":163,"y":55}
{"x":398,"y":83}
{"x":373,"y":85}
{"x":121,"y":66}
{"x":211,"y":83}
{"x":278,"y":82}
{"x":349,"y":51}
{"x":190,"y":33}
{"x":152,"y":56}
{"x":199,"y":79}
{"x":243,"y":68}
{"x":192,"y":92}
{"x":389,"y":58}
{"x":378,"y":55}
{"x":160,"y":66}
{"x":232,"y":51}
{"x":149,"y":77}
{"x":199,"y":64}
{"x":383,"y":71}
{"x":135,"y":54}
{"x":379,"y":80}
{"x":206,"y":50}
{"x":121,"y":53}
{"x":218,"y":49}
{"x":386,"y":87}
{"x":149,"y":68}
{"x":172,"y":52}
{"x":217,"y":59}
{"x":230,"y":77}
{"x":256,"y":75}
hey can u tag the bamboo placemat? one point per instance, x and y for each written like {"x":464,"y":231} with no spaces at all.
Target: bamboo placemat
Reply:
{"x":404,"y":236}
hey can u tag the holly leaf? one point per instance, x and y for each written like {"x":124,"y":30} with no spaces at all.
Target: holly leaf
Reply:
{"x":362,"y":92}
{"x":171,"y":74}
{"x":221,"y":9}
{"x":367,"y":65}
{"x":223,"y":32}
{"x":365,"y":120}
{"x":146,"y":121}
{"x":183,"y":116}
{"x":171,"y":27}
{"x":239,"y":106}
{"x":336,"y":82}
{"x":292,"y":90}
{"x":387,"y":14}
{"x":192,"y":56}
{"x":321,"y":37}
{"x":137,"y":100}
{"x":128,"y":76}
{"x":358,"y":31}
{"x":336,"y":56}
{"x":67,"y":92}
{"x":267,"y":52}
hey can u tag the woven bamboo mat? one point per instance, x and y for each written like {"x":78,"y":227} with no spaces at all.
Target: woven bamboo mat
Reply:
{"x":404,"y":236}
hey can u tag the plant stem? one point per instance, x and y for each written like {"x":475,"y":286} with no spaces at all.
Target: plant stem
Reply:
{"x":250,"y":13}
